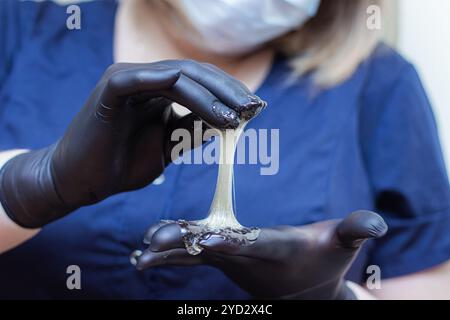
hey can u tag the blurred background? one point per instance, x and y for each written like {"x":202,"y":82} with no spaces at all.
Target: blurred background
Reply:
{"x":420,"y":30}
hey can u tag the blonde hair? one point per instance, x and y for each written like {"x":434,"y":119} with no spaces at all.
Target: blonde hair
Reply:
{"x":333,"y":43}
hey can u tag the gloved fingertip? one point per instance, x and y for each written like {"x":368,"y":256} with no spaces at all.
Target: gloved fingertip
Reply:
{"x":167,"y":237}
{"x":143,"y":260}
{"x":376,"y":227}
{"x":360,"y":226}
{"x":151,"y":231}
{"x":252,"y":108}
{"x":142,"y":264}
{"x":226,"y":118}
{"x":134,"y":257}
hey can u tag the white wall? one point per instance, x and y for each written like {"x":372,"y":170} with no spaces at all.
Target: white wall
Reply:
{"x":424,"y":38}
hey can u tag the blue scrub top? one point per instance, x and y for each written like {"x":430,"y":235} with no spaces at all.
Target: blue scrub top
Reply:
{"x":369,"y":143}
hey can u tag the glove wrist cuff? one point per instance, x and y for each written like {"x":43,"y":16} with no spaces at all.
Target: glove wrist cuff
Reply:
{"x":27,"y":191}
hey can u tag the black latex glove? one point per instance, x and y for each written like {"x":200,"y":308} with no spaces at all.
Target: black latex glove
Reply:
{"x":120,"y":140}
{"x":307,"y":262}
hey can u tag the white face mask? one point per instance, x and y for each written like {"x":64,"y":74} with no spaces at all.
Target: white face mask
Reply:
{"x":239,"y":26}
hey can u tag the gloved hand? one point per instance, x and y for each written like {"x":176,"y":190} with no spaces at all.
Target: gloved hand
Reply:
{"x":120,"y":140}
{"x":307,"y":262}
